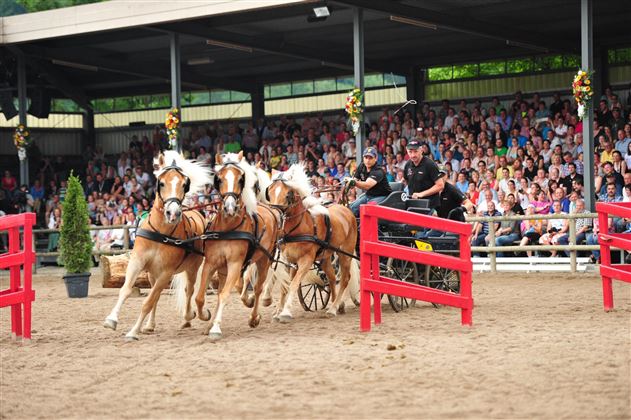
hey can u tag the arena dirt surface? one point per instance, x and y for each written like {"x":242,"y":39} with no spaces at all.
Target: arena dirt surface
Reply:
{"x":541,"y":347}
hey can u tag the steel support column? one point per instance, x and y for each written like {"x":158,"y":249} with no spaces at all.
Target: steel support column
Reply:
{"x":587,"y":61}
{"x":176,"y":83}
{"x":258,"y":103}
{"x":22,"y":113}
{"x":358,"y":63}
{"x":89,"y":137}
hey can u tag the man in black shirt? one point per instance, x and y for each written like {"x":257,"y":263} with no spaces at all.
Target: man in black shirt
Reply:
{"x":371,"y":178}
{"x":422,"y":175}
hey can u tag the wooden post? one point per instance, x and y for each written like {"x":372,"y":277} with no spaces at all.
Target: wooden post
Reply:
{"x":573,"y":242}
{"x":493,"y":254}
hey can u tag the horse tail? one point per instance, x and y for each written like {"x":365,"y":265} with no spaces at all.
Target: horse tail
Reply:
{"x":250,"y":275}
{"x":280,"y":273}
{"x":353,"y":283}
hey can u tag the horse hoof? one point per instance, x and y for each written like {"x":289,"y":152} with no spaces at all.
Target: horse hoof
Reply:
{"x":285,"y":319}
{"x":356,"y":302}
{"x":255,"y":322}
{"x":249,"y":301}
{"x":214,"y":336}
{"x":185,"y":325}
{"x":191,"y":317}
{"x":147,"y":330}
{"x":266,"y":302}
{"x":131,"y":338}
{"x":111,"y":324}
{"x":341,"y":309}
{"x":207,"y":317}
{"x":331,"y":314}
{"x":275,"y":318}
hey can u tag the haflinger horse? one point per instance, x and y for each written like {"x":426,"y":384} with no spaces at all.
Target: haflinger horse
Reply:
{"x":313,"y":233}
{"x":243,"y":232}
{"x":162,"y":246}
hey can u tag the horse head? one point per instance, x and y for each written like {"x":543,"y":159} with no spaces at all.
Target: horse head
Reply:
{"x":172,"y":187}
{"x":229,"y":182}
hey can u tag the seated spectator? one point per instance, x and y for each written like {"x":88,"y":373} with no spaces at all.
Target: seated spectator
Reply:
{"x":531,"y":230}
{"x":480,"y":235}
{"x":508,"y":231}
{"x":54,"y":222}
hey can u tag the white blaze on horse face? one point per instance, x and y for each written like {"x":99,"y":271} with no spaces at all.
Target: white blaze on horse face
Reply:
{"x":279,"y":189}
{"x":230,"y":203}
{"x":173,"y":210}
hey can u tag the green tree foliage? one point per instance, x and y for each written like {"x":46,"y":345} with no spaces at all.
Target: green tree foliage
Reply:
{"x":40,"y":5}
{"x":75,"y":244}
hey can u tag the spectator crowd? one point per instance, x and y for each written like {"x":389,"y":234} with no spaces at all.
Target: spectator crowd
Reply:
{"x":521,"y":157}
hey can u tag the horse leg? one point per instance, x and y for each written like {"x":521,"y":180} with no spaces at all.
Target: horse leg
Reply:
{"x":150,"y":325}
{"x":285,"y":278}
{"x":149,"y":303}
{"x":249,"y":276}
{"x":304,"y":265}
{"x":133,"y":269}
{"x":234,"y":271}
{"x":200,"y":299}
{"x":191,"y":278}
{"x":262,"y":265}
{"x":345,"y":275}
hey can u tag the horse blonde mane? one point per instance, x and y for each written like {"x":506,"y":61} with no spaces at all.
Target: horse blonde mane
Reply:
{"x":197,"y":172}
{"x":264,"y":181}
{"x":296,"y":178}
{"x":248,"y":194}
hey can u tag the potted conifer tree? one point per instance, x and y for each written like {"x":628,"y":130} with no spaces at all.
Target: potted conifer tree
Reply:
{"x":75,"y":243}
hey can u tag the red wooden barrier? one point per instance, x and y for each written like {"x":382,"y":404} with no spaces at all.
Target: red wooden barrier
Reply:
{"x":371,"y":249}
{"x":607,"y":240}
{"x":20,"y":294}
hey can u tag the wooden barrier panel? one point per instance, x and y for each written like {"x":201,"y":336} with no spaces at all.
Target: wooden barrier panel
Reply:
{"x":20,"y":294}
{"x":372,"y":283}
{"x":608,"y":240}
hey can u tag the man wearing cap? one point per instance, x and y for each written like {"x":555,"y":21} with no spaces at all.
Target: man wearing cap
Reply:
{"x":422,"y":175}
{"x":371,"y":178}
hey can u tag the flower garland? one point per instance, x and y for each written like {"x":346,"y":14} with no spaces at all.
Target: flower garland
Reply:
{"x":22,"y":140}
{"x":172,"y":124}
{"x":354,"y":108}
{"x":582,"y":91}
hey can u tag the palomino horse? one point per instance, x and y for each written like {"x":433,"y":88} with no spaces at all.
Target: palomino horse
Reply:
{"x":312,"y":232}
{"x":156,"y":248}
{"x":241,"y":233}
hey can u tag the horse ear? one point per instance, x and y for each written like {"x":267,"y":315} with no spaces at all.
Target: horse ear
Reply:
{"x":161,"y":160}
{"x":218,"y":159}
{"x":240,"y":155}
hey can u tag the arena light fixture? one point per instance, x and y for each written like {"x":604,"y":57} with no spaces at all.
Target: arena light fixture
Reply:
{"x":75,"y":65}
{"x":413,"y":22}
{"x":229,"y":45}
{"x":321,"y":12}
{"x":199,"y":61}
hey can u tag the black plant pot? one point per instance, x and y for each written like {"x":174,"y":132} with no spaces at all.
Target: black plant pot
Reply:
{"x":77,"y":284}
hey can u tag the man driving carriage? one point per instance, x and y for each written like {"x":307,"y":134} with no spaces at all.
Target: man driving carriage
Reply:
{"x":423,"y":176}
{"x":370,"y":177}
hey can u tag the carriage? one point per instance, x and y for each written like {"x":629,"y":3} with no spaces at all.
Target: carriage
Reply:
{"x":314,"y":294}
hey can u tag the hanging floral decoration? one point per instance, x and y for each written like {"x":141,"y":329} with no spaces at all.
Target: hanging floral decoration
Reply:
{"x":22,"y":140}
{"x":582,"y":91}
{"x":172,"y":124}
{"x":354,"y":108}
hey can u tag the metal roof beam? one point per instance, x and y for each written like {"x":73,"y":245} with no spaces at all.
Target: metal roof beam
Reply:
{"x":149,"y":70}
{"x":469,"y":25}
{"x":55,"y":77}
{"x":279,"y":47}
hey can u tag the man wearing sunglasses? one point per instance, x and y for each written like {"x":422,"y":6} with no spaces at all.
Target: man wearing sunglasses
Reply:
{"x":371,"y":178}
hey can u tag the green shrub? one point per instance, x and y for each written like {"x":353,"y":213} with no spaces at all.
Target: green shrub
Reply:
{"x":75,"y":243}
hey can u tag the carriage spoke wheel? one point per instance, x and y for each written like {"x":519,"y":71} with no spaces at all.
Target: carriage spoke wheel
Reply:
{"x":314,"y":296}
{"x":403,"y":271}
{"x":442,"y":279}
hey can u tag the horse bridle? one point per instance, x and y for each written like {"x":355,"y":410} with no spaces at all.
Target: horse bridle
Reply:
{"x":187,"y":185}
{"x":291,"y":196}
{"x":217,"y":182}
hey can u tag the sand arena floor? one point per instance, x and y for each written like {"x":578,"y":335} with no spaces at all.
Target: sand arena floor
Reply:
{"x":541,"y":347}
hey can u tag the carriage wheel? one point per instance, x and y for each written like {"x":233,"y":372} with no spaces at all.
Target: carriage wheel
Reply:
{"x":403,"y":271}
{"x":314,"y":296}
{"x":441,"y":279}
